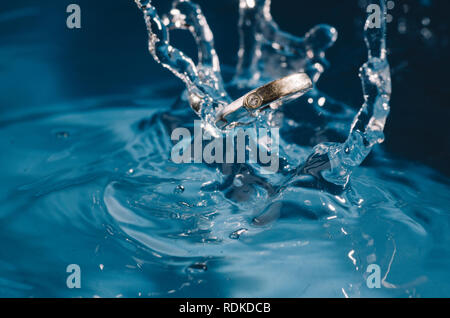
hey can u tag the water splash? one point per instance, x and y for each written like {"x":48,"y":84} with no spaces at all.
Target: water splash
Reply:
{"x":205,"y":87}
{"x":266,"y":53}
{"x":96,"y":174}
{"x":368,"y":125}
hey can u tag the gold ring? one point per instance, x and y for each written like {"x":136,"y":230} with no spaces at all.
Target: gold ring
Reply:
{"x":289,"y":87}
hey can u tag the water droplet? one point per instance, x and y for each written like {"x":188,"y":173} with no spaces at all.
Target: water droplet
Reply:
{"x":426,"y":21}
{"x":389,"y":18}
{"x":402,"y":28}
{"x":390,"y":5}
{"x":321,"y":101}
{"x":426,"y":33}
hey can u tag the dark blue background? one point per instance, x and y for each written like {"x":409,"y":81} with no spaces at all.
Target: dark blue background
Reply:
{"x":43,"y":63}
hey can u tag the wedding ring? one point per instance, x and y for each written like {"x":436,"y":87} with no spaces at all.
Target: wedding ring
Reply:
{"x":275,"y":92}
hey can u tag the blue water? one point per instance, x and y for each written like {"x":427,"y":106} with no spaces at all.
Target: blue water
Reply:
{"x":87,"y":178}
{"x":95,"y":187}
